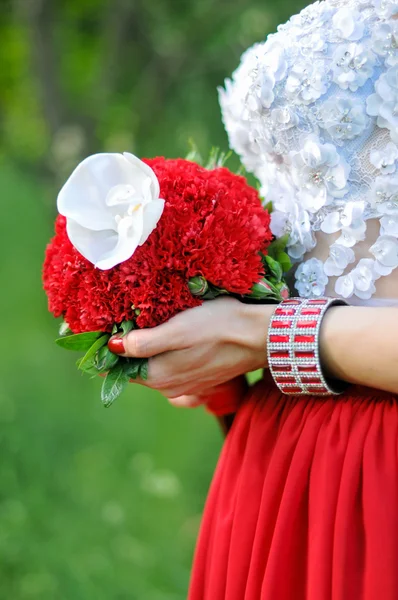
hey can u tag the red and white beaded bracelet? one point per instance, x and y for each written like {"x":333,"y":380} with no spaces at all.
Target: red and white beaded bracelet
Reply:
{"x":293,"y":347}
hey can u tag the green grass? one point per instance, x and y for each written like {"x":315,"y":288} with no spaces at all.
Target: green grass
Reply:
{"x":95,"y":503}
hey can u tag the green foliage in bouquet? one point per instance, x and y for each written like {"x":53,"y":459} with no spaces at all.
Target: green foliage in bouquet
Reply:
{"x":99,"y":360}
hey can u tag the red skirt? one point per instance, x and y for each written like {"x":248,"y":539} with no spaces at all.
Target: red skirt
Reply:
{"x":304,"y":502}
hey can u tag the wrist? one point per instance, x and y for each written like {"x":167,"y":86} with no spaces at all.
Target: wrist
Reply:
{"x":293,"y":348}
{"x":334,"y":326}
{"x":256,"y":320}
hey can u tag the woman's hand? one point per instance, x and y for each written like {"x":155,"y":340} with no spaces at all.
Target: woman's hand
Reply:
{"x":222,"y":399}
{"x":201,"y":348}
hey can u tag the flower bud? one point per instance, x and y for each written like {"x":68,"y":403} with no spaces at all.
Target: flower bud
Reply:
{"x":64,"y":329}
{"x":283,"y":290}
{"x":198,"y":285}
{"x":262,"y":289}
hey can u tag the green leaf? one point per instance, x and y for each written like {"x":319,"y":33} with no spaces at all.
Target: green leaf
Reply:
{"x":79,"y":341}
{"x":105,"y":360}
{"x":92,"y":351}
{"x":134,"y":367}
{"x":212,"y":160}
{"x":194,"y":154}
{"x":115,"y":329}
{"x":143,"y":372}
{"x":217,"y":158}
{"x":278,"y":245}
{"x":114,"y":383}
{"x":213,"y":292}
{"x":274,"y":268}
{"x":284,"y":260}
{"x":268,"y":206}
{"x":241,"y":171}
{"x":224,"y":158}
{"x":127,"y":326}
{"x":88,"y":367}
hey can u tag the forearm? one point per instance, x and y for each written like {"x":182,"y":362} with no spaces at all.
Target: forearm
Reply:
{"x":360,"y":345}
{"x":206,"y":346}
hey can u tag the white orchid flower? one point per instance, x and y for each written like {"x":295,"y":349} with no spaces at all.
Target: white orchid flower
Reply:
{"x":111,"y":204}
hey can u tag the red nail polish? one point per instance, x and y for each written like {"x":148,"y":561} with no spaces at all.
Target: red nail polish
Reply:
{"x":116,"y":345}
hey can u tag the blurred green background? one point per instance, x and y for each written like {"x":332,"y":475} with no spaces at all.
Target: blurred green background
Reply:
{"x":98,"y":504}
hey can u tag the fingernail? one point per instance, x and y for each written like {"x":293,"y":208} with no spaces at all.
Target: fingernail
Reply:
{"x":116,"y":345}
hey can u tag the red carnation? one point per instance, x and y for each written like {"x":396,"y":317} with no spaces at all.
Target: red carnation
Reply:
{"x":213,"y":225}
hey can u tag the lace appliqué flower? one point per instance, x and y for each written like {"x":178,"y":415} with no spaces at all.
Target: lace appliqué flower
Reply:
{"x":385,"y":159}
{"x":310,"y":18}
{"x":383,"y":104}
{"x":284,"y":118}
{"x":343,"y":118}
{"x":348,"y":24}
{"x":270,"y":69}
{"x":385,"y":8}
{"x":311,"y":279}
{"x":385,"y":251}
{"x":307,"y":81}
{"x":339,"y":258}
{"x":385,"y":41}
{"x":349,"y":220}
{"x":289,"y":217}
{"x":319,"y":173}
{"x":383,"y":196}
{"x":359,"y":282}
{"x":352,"y":66}
{"x":313,"y":42}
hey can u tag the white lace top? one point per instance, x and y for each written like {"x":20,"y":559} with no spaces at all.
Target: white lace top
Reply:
{"x":313,"y":113}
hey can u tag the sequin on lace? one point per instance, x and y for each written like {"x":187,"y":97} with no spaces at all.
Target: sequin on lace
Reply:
{"x":313,"y":113}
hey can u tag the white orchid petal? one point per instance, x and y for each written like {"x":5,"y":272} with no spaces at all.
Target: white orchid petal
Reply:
{"x":80,"y":199}
{"x":111,"y":203}
{"x":129,"y":233}
{"x":141,"y":166}
{"x":111,"y":169}
{"x":152,"y":213}
{"x":90,"y":243}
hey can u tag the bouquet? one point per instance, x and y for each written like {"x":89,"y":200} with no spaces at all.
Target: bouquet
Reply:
{"x":137,"y":241}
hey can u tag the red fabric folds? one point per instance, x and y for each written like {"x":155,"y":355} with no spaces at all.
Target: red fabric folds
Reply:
{"x":227,"y":397}
{"x":304,"y":502}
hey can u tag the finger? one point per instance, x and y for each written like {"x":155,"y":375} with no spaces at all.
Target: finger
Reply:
{"x":144,"y":343}
{"x":169,"y":372}
{"x":186,"y":401}
{"x":181,"y":331}
{"x":164,"y":373}
{"x":223,"y":398}
{"x":183,"y":371}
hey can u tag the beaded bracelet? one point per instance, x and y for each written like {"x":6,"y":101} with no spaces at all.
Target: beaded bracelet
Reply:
{"x":293,"y":347}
